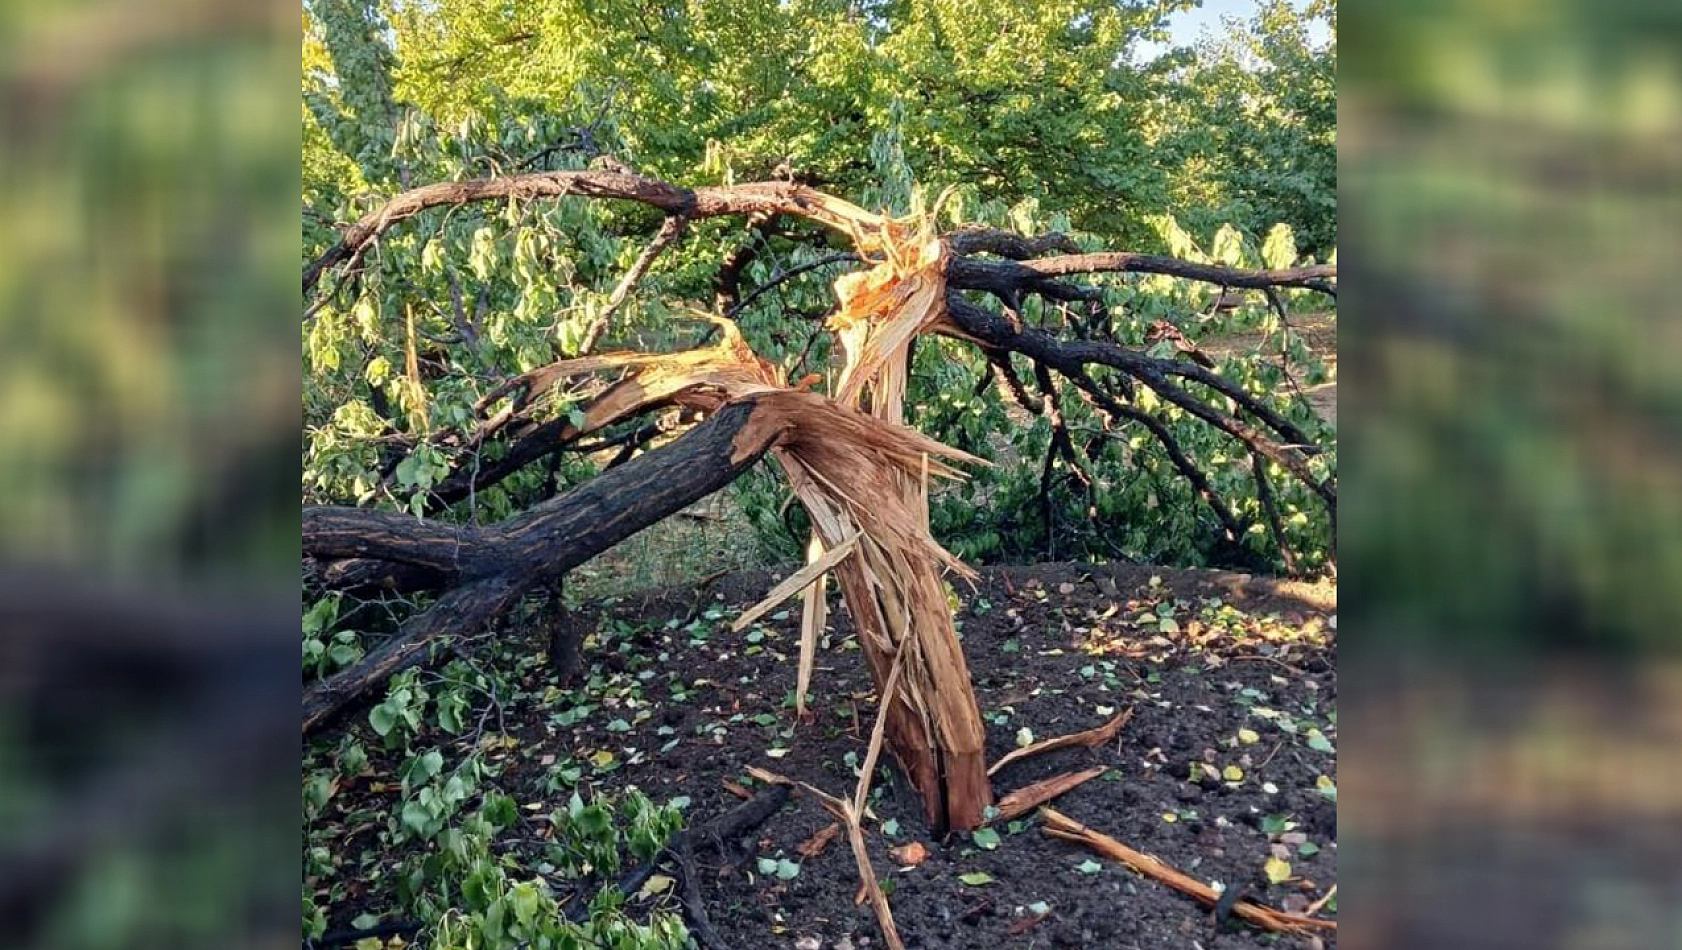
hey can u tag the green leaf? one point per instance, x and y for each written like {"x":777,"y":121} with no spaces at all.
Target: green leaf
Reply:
{"x":1327,"y":787}
{"x":525,"y":899}
{"x":976,"y":878}
{"x":985,"y":838}
{"x":383,"y":718}
{"x":1089,"y":866}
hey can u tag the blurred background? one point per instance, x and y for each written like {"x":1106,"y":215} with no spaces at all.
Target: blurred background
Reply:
{"x":148,"y":400}
{"x":1510,"y":185}
{"x":1511,"y":220}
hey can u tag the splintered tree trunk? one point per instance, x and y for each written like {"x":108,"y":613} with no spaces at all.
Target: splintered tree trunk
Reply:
{"x":943,"y":752}
{"x":847,"y":468}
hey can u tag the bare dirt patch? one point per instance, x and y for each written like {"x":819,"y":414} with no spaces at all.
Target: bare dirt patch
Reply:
{"x":1227,"y":762}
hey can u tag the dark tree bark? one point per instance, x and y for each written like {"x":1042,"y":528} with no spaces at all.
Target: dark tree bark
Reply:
{"x":492,"y":567}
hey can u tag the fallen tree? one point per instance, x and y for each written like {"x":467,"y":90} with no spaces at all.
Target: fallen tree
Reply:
{"x":861,"y":479}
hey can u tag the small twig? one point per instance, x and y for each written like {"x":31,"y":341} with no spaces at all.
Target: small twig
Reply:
{"x":1096,"y":736}
{"x":669,"y":231}
{"x":787,"y":274}
{"x":1314,"y":908}
{"x":1264,"y":494}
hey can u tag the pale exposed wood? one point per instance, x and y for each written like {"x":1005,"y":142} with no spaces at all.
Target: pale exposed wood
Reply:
{"x":794,"y":583}
{"x":875,"y":748}
{"x":1095,"y":736}
{"x":814,"y":614}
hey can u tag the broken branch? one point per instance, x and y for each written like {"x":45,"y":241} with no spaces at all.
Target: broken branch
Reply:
{"x":1096,"y":736}
{"x":1059,"y":825}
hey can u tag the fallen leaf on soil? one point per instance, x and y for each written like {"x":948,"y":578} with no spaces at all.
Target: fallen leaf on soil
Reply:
{"x":910,"y":855}
{"x":815,"y":845}
{"x":656,"y":884}
{"x":1029,"y":797}
{"x":1277,"y":871}
{"x":1059,"y":825}
{"x":738,"y":790}
{"x":1091,"y":737}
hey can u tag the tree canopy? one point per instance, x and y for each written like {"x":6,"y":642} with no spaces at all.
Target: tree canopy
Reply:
{"x":1036,"y":117}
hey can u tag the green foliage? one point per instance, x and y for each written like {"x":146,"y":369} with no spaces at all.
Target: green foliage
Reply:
{"x":1060,"y":128}
{"x":1254,"y":126}
{"x":439,"y":834}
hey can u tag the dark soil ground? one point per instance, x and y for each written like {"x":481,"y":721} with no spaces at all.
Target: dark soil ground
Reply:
{"x":1226,"y":763}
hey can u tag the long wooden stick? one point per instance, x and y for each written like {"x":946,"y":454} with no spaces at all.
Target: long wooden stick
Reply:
{"x":795,"y":582}
{"x":1059,"y":825}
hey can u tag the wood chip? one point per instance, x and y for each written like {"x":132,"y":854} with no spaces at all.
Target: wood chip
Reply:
{"x":909,"y":855}
{"x":820,"y":839}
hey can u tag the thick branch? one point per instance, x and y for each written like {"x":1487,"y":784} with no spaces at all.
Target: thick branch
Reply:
{"x":763,"y":198}
{"x":1008,"y":243}
{"x":332,"y":532}
{"x":497,"y":565}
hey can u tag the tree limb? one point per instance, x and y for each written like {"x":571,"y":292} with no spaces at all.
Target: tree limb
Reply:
{"x":669,"y":231}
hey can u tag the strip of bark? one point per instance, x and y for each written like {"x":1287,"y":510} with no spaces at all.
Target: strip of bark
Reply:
{"x":1096,"y":736}
{"x":1029,"y":797}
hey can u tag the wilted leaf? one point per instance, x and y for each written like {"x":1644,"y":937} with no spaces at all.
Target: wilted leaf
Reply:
{"x":1248,"y":736}
{"x":815,"y":845}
